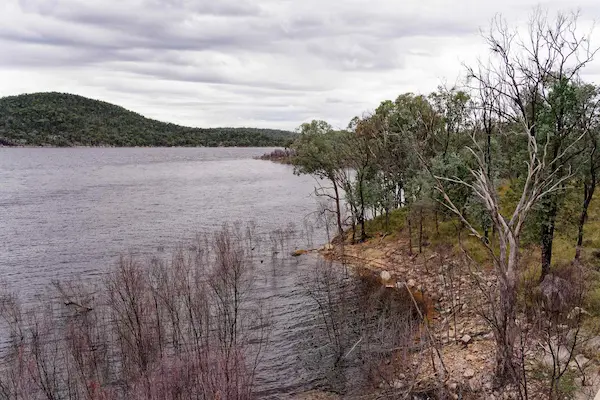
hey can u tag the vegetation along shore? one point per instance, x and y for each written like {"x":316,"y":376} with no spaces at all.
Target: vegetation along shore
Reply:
{"x":480,"y":199}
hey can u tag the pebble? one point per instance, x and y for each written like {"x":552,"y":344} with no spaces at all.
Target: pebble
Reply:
{"x":474,"y":384}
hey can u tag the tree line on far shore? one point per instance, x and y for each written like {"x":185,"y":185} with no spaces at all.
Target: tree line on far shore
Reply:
{"x":64,"y":120}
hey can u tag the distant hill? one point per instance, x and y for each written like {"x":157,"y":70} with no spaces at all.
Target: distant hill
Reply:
{"x":60,"y":119}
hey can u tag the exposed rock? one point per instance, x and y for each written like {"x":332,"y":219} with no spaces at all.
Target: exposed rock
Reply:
{"x":385,"y":276}
{"x":398,"y":384}
{"x":466,"y":339}
{"x":593,"y":344}
{"x":556,"y":291}
{"x":411,"y":283}
{"x":475,"y":384}
{"x":469,"y":373}
{"x":581,"y":360}
{"x":489,"y":336}
{"x":470,"y":357}
{"x":328,"y":246}
{"x":559,"y":355}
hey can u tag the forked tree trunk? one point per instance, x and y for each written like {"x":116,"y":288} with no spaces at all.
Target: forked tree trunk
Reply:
{"x":505,"y":329}
{"x":588,"y":194}
{"x":506,"y":333}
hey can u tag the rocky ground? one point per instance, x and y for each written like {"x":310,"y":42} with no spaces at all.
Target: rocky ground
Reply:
{"x":454,"y":294}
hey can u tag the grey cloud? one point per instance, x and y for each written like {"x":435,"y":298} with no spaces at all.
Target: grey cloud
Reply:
{"x":275,"y":61}
{"x":212,"y":77}
{"x":176,"y":25}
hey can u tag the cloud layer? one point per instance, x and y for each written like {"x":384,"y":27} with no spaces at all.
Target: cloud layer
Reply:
{"x":268,"y":63}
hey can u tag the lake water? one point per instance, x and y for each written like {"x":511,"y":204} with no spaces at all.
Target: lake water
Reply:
{"x":69,"y":213}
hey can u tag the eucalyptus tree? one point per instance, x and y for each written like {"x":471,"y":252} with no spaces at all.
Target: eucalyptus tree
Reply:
{"x":532,"y":79}
{"x":360,"y":157}
{"x":394,"y":159}
{"x":589,"y":159}
{"x":452,"y":108}
{"x":317,"y":153}
{"x":525,"y":88}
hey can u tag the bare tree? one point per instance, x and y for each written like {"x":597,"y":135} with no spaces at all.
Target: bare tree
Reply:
{"x":177,"y":329}
{"x":531,"y":80}
{"x":513,"y":87}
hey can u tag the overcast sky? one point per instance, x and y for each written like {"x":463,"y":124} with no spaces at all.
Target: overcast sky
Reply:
{"x":265,"y":63}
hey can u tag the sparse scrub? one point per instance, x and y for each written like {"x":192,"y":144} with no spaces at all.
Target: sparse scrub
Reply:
{"x":374,"y":335}
{"x":177,"y":329}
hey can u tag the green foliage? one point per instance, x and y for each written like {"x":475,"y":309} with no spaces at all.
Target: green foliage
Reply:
{"x":317,"y":150}
{"x":593,"y":301}
{"x":58,"y":119}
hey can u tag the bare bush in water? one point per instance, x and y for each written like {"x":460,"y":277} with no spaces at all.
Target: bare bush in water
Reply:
{"x":177,"y":329}
{"x":372,"y":333}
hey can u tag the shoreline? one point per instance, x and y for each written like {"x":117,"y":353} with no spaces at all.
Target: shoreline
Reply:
{"x":463,"y":338}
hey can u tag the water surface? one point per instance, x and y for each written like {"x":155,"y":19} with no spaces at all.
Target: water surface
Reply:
{"x":69,"y":213}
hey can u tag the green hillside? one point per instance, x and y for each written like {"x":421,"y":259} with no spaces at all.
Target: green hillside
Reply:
{"x":60,"y":119}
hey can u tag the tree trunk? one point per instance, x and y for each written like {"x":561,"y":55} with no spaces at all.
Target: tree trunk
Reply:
{"x":354,"y":217}
{"x":338,"y":211}
{"x":505,"y":333}
{"x":409,"y":234}
{"x":421,"y":230}
{"x":488,"y":161}
{"x":363,"y":232}
{"x":588,"y":194}
{"x":550,"y":209}
{"x":505,"y":325}
{"x":547,"y":233}
{"x":387,"y":219}
{"x":400,"y":189}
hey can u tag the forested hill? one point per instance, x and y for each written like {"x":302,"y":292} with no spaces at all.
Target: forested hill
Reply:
{"x":59,"y":119}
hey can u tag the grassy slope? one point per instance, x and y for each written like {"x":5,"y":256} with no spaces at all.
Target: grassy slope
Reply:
{"x":563,"y":248}
{"x":60,"y":119}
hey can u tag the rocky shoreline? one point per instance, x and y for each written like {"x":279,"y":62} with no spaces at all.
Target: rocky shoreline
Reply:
{"x":462,"y":337}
